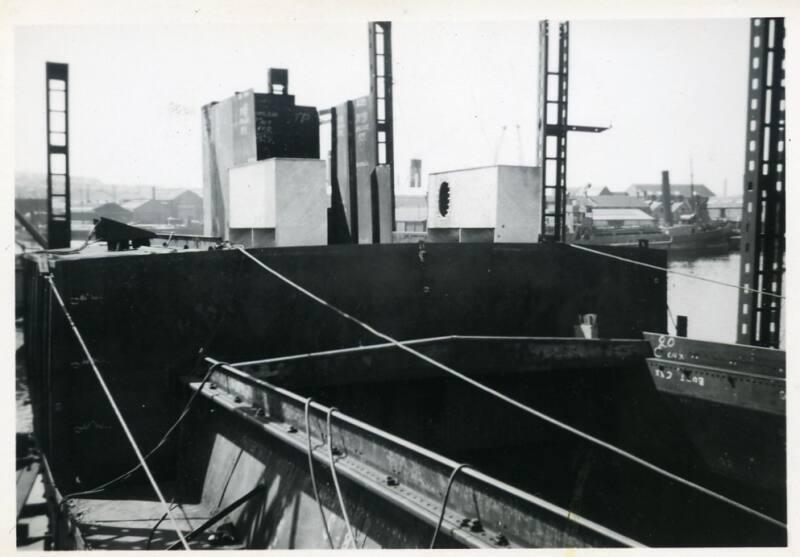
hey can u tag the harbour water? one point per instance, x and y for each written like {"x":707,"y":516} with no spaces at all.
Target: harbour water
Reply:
{"x":711,"y":308}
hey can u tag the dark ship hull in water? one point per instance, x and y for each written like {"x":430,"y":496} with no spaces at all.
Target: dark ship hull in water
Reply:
{"x":237,"y":458}
{"x":683,"y":238}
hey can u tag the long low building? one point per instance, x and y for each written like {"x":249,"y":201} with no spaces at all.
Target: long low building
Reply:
{"x":725,"y":208}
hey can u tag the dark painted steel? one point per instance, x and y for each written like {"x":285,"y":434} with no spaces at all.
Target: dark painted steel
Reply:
{"x":743,"y":390}
{"x":483,"y":357}
{"x":371,"y":455}
{"x":344,"y":179}
{"x":361,"y":204}
{"x":338,"y":224}
{"x":679,"y":518}
{"x":682,"y":326}
{"x":245,"y":128}
{"x":731,"y":400}
{"x":121,"y":236}
{"x":735,"y":357}
{"x":666,"y":198}
{"x":278,"y":81}
{"x":226,"y":306}
{"x":764,"y":202}
{"x":145,"y":317}
{"x":59,"y":229}
{"x":592,"y":129}
{"x":382,"y":97}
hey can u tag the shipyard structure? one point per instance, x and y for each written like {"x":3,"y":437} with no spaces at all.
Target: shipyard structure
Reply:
{"x":299,"y":377}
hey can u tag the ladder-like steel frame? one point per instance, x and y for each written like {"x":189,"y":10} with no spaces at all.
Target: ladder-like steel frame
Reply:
{"x":381,"y":96}
{"x":764,"y":201}
{"x":59,"y":218}
{"x":553,"y":135}
{"x":553,"y":128}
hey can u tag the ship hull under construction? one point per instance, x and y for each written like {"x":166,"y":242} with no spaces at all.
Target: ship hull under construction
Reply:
{"x":397,"y":428}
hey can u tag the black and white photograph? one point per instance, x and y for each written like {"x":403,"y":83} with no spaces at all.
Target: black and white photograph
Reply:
{"x":407,"y":276}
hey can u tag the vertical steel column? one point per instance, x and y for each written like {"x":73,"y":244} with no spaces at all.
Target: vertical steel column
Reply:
{"x":380,"y":92}
{"x":764,"y":208}
{"x":552,"y":136}
{"x":553,"y":131}
{"x":553,"y":128}
{"x":58,"y":187}
{"x":541,"y":137}
{"x":561,"y":158}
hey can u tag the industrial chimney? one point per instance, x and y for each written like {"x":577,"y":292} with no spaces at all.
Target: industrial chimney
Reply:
{"x":416,"y":174}
{"x":666,"y":198}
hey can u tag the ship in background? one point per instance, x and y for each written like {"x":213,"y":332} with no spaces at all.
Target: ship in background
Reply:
{"x":676,"y":219}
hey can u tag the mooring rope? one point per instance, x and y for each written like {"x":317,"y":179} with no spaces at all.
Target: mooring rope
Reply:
{"x":331,"y":410}
{"x":153,"y":530}
{"x":746,"y":289}
{"x":450,"y":481}
{"x":117,"y":411}
{"x":671,"y":318}
{"x":313,"y":475}
{"x":516,"y":403}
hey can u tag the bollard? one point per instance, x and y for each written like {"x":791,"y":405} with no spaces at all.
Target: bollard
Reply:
{"x":587,"y":326}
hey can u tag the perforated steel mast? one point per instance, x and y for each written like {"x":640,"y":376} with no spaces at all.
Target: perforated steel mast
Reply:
{"x":553,"y":128}
{"x":764,"y":201}
{"x":59,"y":231}
{"x":380,"y":91}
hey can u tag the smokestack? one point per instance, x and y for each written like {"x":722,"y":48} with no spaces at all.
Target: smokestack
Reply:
{"x":416,"y":174}
{"x":153,"y":193}
{"x":666,"y":198}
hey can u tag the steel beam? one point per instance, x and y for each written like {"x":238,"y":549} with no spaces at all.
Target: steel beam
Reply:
{"x":410,"y":477}
{"x":764,"y":208}
{"x":30,"y":229}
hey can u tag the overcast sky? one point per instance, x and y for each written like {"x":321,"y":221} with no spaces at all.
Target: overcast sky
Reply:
{"x":672,"y":89}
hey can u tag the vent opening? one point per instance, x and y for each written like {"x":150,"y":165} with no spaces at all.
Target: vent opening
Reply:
{"x":444,"y":198}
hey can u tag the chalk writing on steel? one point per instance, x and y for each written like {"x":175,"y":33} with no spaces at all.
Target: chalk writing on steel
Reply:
{"x":668,"y":374}
{"x":84,"y":297}
{"x":90,"y":425}
{"x":664,"y":349}
{"x":663,"y":373}
{"x":696,"y":379}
